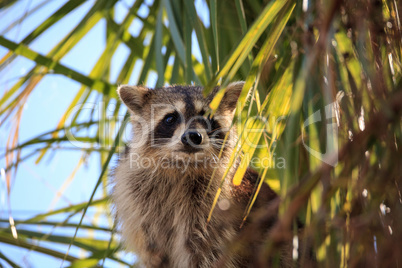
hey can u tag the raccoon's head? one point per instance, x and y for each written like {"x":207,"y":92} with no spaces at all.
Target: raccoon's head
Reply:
{"x":173,"y":122}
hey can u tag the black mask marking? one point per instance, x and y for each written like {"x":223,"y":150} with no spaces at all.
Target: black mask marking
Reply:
{"x":166,"y":127}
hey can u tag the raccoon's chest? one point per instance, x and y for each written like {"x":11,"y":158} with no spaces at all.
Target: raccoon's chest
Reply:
{"x":164,"y":220}
{"x":170,"y":224}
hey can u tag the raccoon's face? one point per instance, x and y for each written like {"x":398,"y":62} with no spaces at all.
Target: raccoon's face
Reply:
{"x":173,"y":121}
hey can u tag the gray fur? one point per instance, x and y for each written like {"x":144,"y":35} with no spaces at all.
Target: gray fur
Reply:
{"x":163,"y":211}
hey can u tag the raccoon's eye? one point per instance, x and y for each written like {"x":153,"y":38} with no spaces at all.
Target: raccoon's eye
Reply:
{"x":170,"y":119}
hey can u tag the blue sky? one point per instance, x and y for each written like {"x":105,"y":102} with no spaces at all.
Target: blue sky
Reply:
{"x":43,"y":111}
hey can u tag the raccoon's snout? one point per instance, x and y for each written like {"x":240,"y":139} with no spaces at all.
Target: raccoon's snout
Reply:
{"x":191,"y":138}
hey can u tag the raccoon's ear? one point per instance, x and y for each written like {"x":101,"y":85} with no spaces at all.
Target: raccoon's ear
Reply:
{"x":231,"y":96}
{"x":133,"y":96}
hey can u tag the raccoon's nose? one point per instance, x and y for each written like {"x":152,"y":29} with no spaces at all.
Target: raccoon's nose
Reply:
{"x":191,"y":138}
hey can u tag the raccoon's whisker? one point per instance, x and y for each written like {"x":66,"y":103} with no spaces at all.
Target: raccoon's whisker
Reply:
{"x":214,"y":130}
{"x":219,"y":140}
{"x":215,"y":157}
{"x":161,"y":139}
{"x":219,"y":144}
{"x":212,"y":153}
{"x":216,"y":145}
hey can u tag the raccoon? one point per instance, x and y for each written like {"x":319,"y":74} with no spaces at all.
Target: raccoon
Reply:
{"x":164,"y":187}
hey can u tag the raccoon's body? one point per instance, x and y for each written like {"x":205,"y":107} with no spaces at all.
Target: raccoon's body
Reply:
{"x":160,"y":191}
